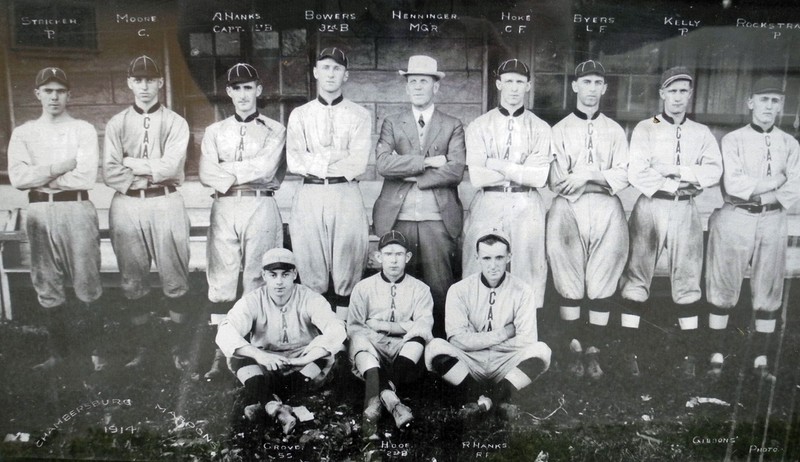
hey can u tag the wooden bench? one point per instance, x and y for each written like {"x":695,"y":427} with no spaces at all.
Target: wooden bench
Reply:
{"x":15,"y":252}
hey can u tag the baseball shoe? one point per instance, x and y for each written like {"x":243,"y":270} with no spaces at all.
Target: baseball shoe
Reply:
{"x":48,"y":364}
{"x":576,"y":361}
{"x":470,"y":409}
{"x":372,"y":414}
{"x":98,"y":361}
{"x":254,"y":412}
{"x":400,"y":412}
{"x":282,"y":414}
{"x":139,"y":360}
{"x":688,"y":367}
{"x":715,"y":370}
{"x":217,"y":366}
{"x":507,"y":411}
{"x":593,"y":369}
{"x":632,"y":363}
{"x":761,"y":371}
{"x":402,"y":415}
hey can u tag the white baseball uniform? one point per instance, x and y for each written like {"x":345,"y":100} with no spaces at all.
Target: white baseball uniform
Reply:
{"x":407,"y":301}
{"x":509,"y":199}
{"x":742,"y":232}
{"x":147,"y":217}
{"x":665,"y":215}
{"x":587,"y":233}
{"x":304,"y":323}
{"x":478,"y":314}
{"x":61,"y":224}
{"x":243,"y":161}
{"x":328,"y":225}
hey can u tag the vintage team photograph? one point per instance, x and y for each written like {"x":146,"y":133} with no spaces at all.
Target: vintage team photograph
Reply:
{"x":400,"y":230}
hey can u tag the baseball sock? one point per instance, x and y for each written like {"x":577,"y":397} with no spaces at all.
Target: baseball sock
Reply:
{"x":405,"y":369}
{"x":518,"y":378}
{"x":454,"y":372}
{"x":765,"y":324}
{"x":717,"y":325}
{"x":599,"y":314}
{"x":630,"y":318}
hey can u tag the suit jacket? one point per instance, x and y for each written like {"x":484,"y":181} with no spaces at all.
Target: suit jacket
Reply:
{"x":399,"y":156}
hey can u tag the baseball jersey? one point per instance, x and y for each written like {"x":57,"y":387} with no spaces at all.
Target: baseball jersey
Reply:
{"x":688,"y":145}
{"x":751,"y":154}
{"x":598,"y":144}
{"x":243,"y":154}
{"x":304,"y":323}
{"x":407,"y":301}
{"x":476,"y":310}
{"x":158,"y":137}
{"x":522,"y":139}
{"x":36,"y":144}
{"x":316,"y":130}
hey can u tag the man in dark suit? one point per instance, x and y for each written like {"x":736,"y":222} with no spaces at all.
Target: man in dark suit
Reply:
{"x":421,"y":155}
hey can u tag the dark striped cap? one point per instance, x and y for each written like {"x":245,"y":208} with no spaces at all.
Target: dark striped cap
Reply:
{"x":590,"y":67}
{"x":513,"y":65}
{"x":393,"y":237}
{"x":144,"y":67}
{"x":51,"y":74}
{"x":334,"y":53}
{"x":241,"y":73}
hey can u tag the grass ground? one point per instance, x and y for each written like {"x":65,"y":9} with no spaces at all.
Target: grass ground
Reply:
{"x":160,"y":413}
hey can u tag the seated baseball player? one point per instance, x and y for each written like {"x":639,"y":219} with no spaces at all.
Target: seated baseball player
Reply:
{"x":389,"y":322}
{"x":280,"y":338}
{"x":490,"y":319}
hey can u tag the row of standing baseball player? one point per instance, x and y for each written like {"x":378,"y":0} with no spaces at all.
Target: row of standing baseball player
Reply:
{"x":421,"y":153}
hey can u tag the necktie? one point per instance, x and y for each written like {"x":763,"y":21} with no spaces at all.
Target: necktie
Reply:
{"x":421,"y":122}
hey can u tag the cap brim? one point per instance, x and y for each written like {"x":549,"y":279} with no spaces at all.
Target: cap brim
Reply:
{"x":675,"y":78}
{"x":439,"y":75}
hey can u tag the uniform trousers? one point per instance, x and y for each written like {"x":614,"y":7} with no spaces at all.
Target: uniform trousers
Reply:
{"x":657,"y":225}
{"x":242,"y":230}
{"x":147,"y":230}
{"x":738,"y":238}
{"x":65,"y":245}
{"x":330,"y":235}
{"x":587,"y":245}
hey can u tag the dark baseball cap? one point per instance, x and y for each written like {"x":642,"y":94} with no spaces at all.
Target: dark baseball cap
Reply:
{"x":334,"y":53}
{"x":590,"y":67}
{"x":144,"y":67}
{"x":768,"y":85}
{"x":241,"y":73}
{"x":675,"y":73}
{"x":513,"y":65}
{"x":51,"y":74}
{"x":393,"y":237}
{"x":278,"y":258}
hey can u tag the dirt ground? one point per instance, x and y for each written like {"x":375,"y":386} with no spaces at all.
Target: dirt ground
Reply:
{"x":159,"y":413}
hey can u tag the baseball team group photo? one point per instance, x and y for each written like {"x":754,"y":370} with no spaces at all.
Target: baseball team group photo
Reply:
{"x":231,"y":235}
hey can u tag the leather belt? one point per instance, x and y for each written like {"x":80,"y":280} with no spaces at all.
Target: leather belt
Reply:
{"x":63,"y":196}
{"x":671,"y":197}
{"x":760,"y":208}
{"x":512,"y":189}
{"x":245,"y":193}
{"x":156,"y":191}
{"x":330,"y":180}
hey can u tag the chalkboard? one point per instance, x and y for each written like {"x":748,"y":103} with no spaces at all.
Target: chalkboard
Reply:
{"x":54,"y":25}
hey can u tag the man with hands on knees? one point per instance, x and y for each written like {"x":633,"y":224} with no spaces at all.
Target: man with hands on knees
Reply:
{"x":281,"y":338}
{"x":492,"y":341}
{"x":389,"y":322}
